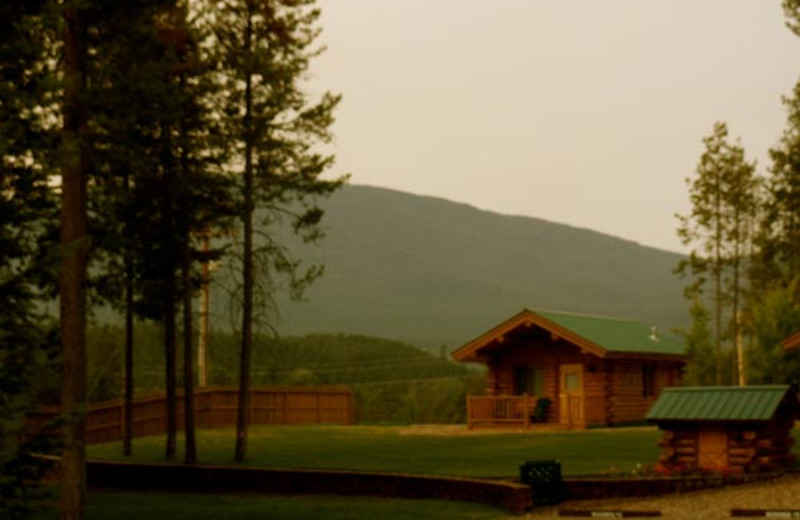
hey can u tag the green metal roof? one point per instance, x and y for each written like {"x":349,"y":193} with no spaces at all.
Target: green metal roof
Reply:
{"x":718,"y":403}
{"x":617,"y":335}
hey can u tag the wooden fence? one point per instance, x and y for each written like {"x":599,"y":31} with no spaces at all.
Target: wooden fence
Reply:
{"x":213,"y":407}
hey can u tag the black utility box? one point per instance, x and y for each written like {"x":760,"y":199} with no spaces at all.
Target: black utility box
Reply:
{"x":544,"y":477}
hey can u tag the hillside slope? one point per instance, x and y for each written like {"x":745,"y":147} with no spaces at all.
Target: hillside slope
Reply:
{"x":434,"y":272}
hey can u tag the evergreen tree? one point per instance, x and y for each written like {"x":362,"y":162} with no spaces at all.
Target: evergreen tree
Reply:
{"x":701,"y":366}
{"x":161,"y":179}
{"x":27,"y":217}
{"x":126,"y":93}
{"x":791,"y":9}
{"x":781,"y":241}
{"x":719,"y":227}
{"x":775,"y":317}
{"x":272,"y":126}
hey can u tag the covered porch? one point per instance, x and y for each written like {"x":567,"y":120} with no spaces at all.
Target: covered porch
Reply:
{"x":512,"y":411}
{"x":532,"y":412}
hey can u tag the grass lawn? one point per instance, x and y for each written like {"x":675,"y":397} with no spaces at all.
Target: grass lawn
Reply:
{"x":184,"y":506}
{"x":379,"y":448}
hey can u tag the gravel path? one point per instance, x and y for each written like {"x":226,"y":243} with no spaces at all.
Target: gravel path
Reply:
{"x":782,"y":493}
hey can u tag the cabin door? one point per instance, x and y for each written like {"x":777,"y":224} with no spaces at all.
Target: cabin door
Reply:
{"x":712,"y":447}
{"x":571,"y":396}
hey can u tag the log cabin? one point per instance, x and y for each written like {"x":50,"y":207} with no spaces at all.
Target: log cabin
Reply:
{"x":726,"y":429}
{"x":567,"y":371}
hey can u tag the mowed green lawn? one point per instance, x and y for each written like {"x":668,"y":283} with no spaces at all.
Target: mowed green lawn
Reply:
{"x":390,"y":449}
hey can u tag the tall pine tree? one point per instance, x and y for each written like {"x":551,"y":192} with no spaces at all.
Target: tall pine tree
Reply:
{"x":719,"y":230}
{"x":27,"y":217}
{"x":272,"y":126}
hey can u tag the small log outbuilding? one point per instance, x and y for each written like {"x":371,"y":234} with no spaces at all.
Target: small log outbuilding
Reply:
{"x":726,"y":429}
{"x":557,"y":370}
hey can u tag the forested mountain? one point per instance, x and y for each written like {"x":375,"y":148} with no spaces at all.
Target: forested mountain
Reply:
{"x":434,"y":272}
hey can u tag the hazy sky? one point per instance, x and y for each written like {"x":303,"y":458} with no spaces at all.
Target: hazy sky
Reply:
{"x":585,"y":112}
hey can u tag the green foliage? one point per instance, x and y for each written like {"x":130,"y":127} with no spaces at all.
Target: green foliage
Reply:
{"x":791,"y":9}
{"x":393,"y":382}
{"x":781,"y":248}
{"x":777,"y":270}
{"x":26,"y":256}
{"x":700,"y":368}
{"x":272,"y":130}
{"x":776,"y":316}
{"x":156,"y":173}
{"x":725,"y":195}
{"x":104,"y":345}
{"x":439,"y":400}
{"x":25,"y":369}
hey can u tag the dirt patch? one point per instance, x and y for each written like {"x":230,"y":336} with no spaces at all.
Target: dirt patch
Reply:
{"x":445,"y":430}
{"x":782,"y":493}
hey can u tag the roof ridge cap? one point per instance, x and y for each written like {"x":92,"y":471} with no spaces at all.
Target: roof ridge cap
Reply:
{"x":582,"y":315}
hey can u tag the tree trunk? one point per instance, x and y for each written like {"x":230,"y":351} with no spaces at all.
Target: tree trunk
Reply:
{"x":168,"y":264}
{"x":718,"y":280}
{"x":72,"y":275}
{"x":127,"y":430}
{"x":186,"y":291}
{"x":737,"y":319}
{"x":202,"y":333}
{"x":127,"y":434}
{"x":188,"y":358}
{"x":170,"y":353}
{"x":242,"y":420}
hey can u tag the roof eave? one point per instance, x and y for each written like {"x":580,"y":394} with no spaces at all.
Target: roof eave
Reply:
{"x":526,"y":318}
{"x":687,"y":422}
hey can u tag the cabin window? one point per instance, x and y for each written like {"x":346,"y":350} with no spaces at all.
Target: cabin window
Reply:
{"x":572,"y":381}
{"x":648,"y":380}
{"x":528,"y":380}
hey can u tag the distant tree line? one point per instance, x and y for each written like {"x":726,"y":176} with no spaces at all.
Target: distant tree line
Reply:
{"x":744,"y":267}
{"x":129,"y":130}
{"x":393,"y":382}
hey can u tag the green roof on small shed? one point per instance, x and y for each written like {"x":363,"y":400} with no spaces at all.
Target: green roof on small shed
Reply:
{"x":617,"y":335}
{"x":718,"y":403}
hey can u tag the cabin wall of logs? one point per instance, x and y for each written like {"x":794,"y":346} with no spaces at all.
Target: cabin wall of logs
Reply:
{"x":756,"y":447}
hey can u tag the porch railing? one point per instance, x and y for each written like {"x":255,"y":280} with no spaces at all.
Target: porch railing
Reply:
{"x":511,"y":411}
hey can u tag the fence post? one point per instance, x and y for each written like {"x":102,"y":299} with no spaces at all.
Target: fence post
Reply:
{"x":285,"y":407}
{"x":351,"y":405}
{"x":526,"y":417}
{"x":250,"y":410}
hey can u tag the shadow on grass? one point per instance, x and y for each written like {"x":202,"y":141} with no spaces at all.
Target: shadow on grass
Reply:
{"x":188,"y":506}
